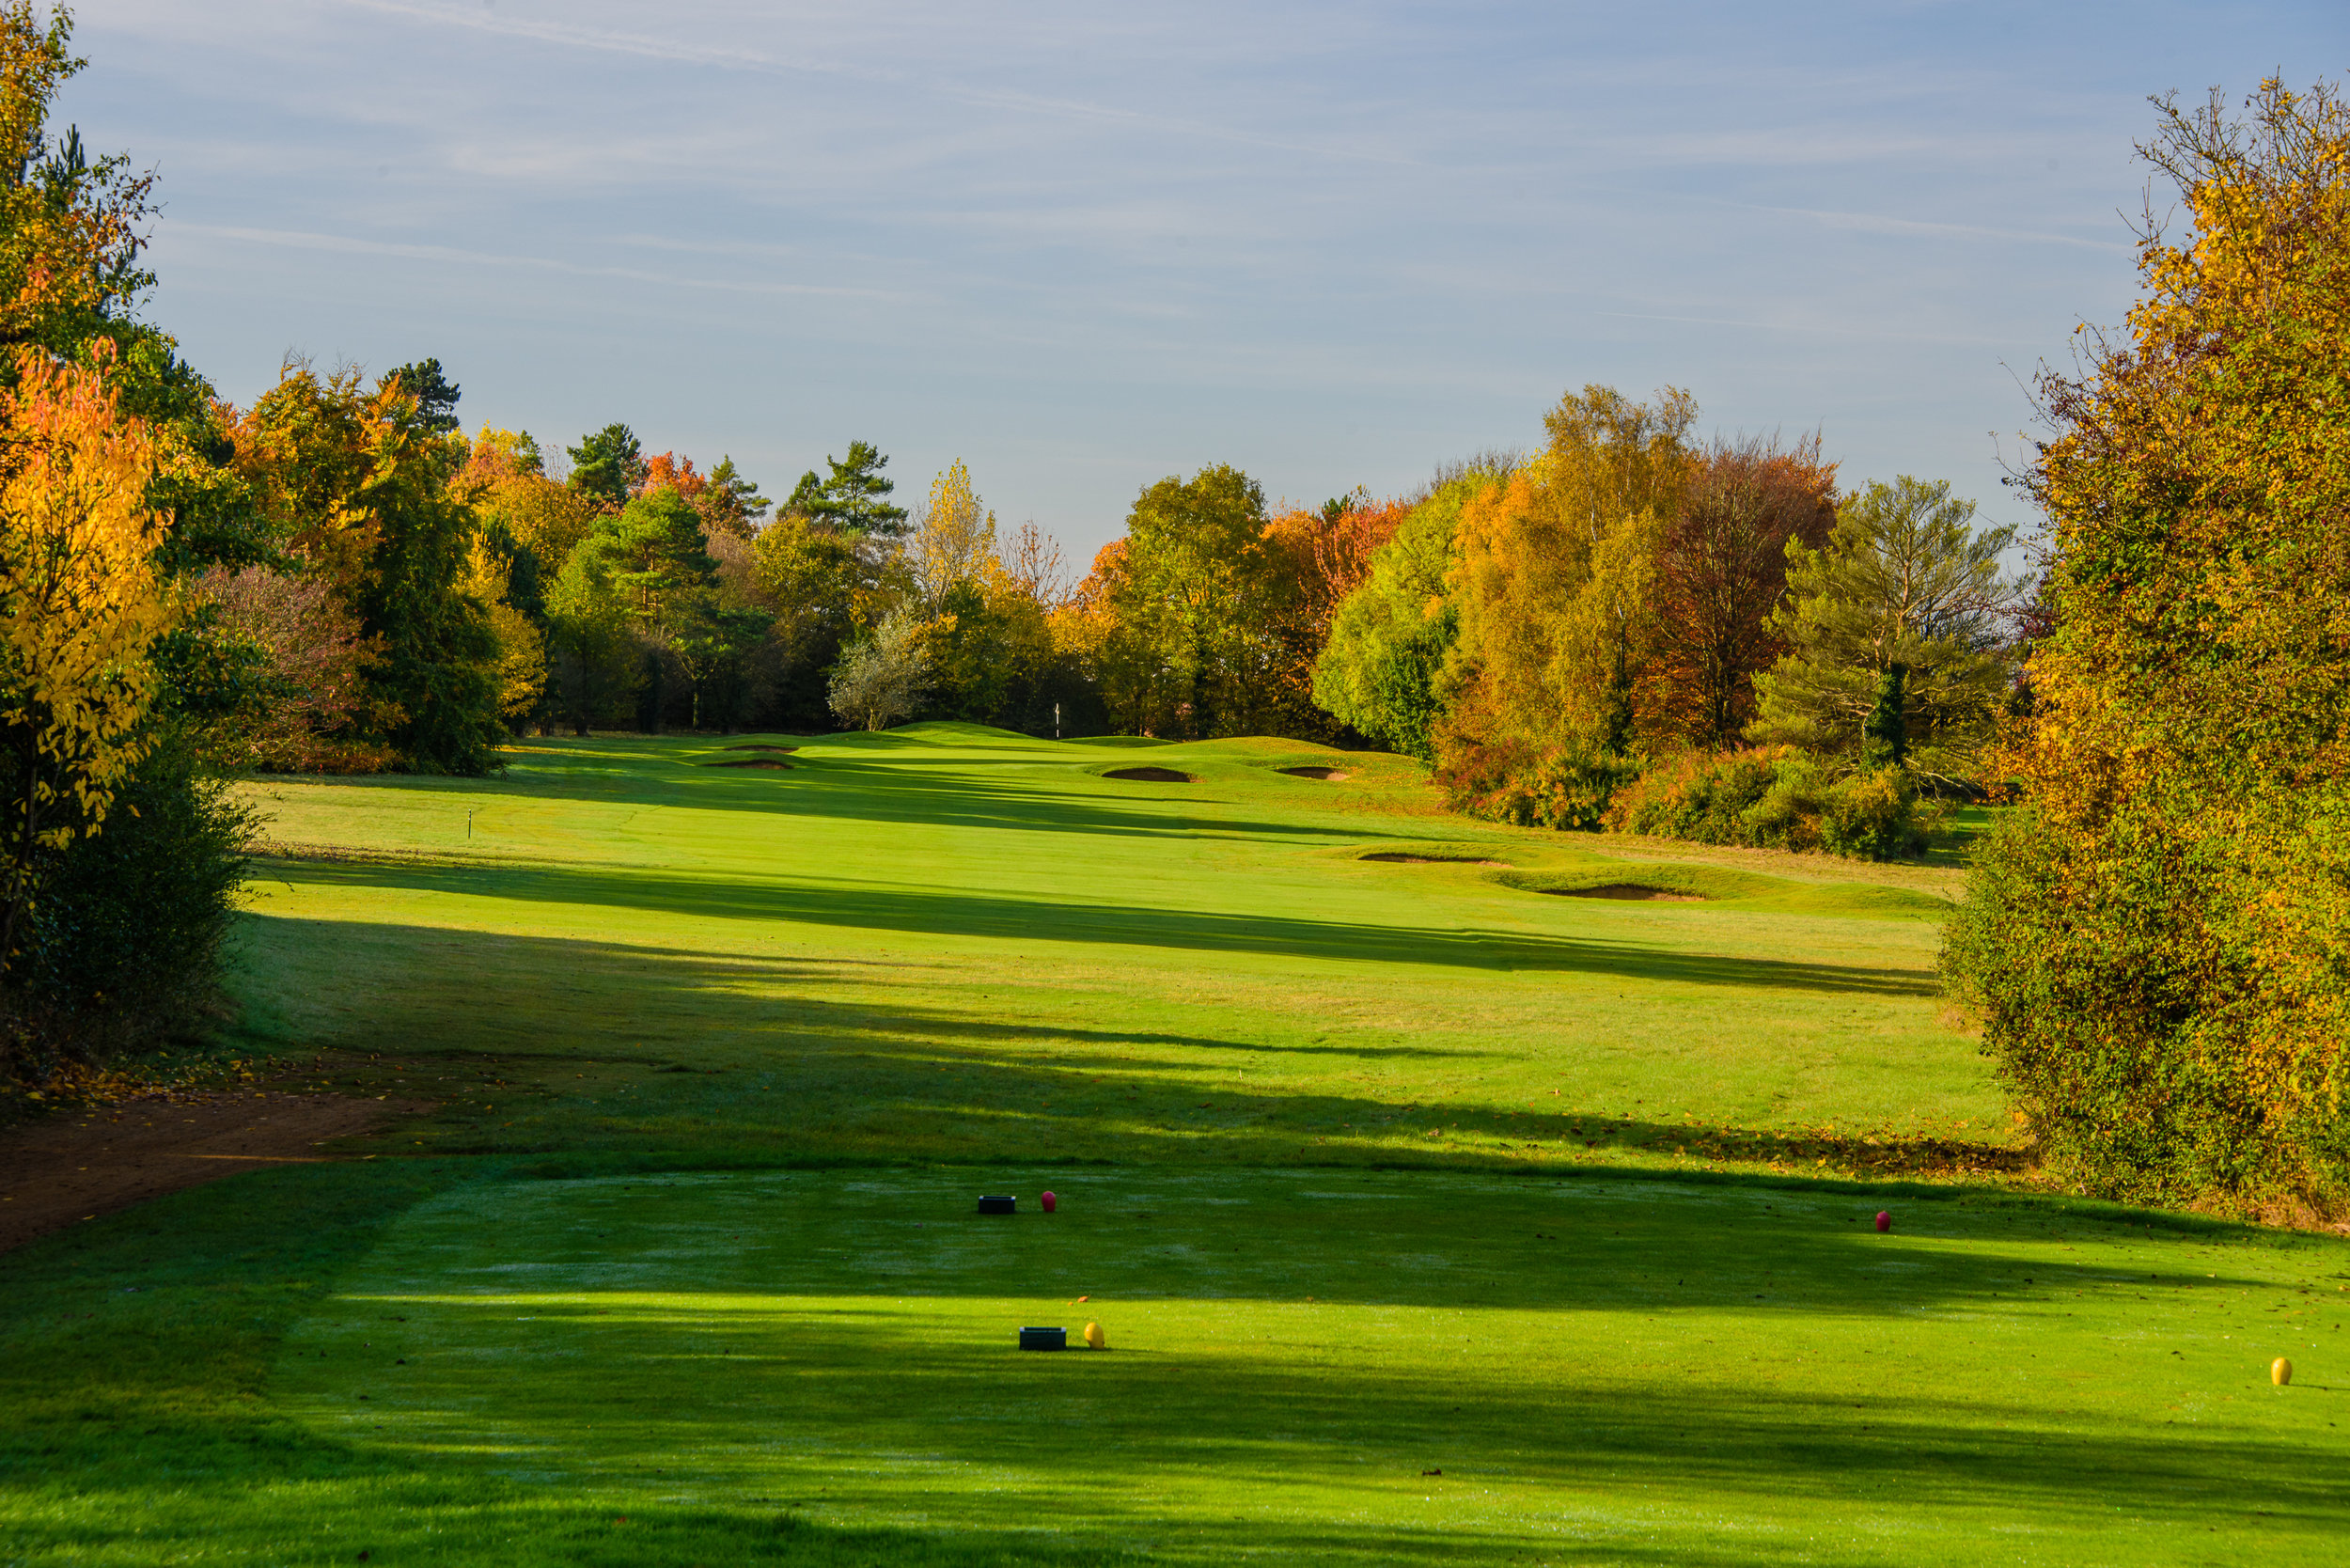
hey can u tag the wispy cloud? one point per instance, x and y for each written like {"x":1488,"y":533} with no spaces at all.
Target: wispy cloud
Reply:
{"x":290,"y":239}
{"x":1875,"y":223}
{"x":1809,"y":327}
{"x":645,"y":46}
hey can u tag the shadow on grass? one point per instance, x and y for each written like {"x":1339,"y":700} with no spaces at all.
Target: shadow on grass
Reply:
{"x":954,"y":791}
{"x":785,"y":1073}
{"x":838,"y":1312}
{"x":144,"y":1426}
{"x":695,"y":1395}
{"x":916,"y":912}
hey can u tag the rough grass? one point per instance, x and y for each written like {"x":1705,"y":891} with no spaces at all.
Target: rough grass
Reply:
{"x":1369,"y":1169}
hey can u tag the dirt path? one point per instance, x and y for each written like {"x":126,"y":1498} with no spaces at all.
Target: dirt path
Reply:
{"x":77,"y":1164}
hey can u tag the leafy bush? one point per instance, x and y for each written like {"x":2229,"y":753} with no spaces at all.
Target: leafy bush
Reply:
{"x":125,"y":941}
{"x":1703,"y":796}
{"x":1556,"y":787}
{"x":2169,"y":1003}
{"x":1774,"y":797}
{"x":1871,"y":815}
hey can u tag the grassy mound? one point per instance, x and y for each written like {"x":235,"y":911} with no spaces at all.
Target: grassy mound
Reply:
{"x":1709,"y":883}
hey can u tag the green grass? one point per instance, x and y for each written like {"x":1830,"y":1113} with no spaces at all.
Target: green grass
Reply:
{"x":957,"y":943}
{"x":1369,"y":1169}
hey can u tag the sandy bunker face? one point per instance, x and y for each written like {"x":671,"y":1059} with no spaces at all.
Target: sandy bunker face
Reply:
{"x":750,"y":762}
{"x":1151,"y":776}
{"x":1627,"y":890}
{"x":1331,"y":776}
{"x":1434,"y":860}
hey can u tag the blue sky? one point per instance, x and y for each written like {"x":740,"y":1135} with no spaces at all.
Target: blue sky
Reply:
{"x":1083,"y":246}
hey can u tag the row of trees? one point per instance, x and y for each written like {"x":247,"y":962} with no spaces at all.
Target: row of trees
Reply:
{"x":1639,"y":629}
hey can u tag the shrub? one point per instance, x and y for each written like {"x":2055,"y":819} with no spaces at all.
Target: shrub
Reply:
{"x":1871,"y":815}
{"x":2169,"y":1003}
{"x":1556,"y":787}
{"x":1773,"y":797}
{"x":124,"y":946}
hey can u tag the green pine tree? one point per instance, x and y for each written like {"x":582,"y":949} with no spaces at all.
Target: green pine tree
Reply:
{"x":1897,"y":648}
{"x":854,"y":497}
{"x":607,"y":464}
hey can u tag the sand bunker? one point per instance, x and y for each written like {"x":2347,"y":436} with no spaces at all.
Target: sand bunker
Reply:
{"x":1151,"y":776}
{"x":1434,"y":860}
{"x":1329,"y":775}
{"x":761,"y":745}
{"x":749,"y":763}
{"x":1627,"y":890}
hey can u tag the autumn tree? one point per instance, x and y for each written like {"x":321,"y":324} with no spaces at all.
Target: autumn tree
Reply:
{"x":1381,"y":665}
{"x":2159,"y":946}
{"x":813,"y":579}
{"x":1555,"y":584}
{"x":953,"y":535}
{"x":520,"y":660}
{"x":671,"y":471}
{"x":506,"y":483}
{"x":70,"y":227}
{"x":81,"y":606}
{"x":311,"y":708}
{"x":1307,"y":563}
{"x":366,"y":498}
{"x":1721,"y":571}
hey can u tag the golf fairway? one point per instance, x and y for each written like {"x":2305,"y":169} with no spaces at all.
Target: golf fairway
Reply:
{"x":1435,"y":1212}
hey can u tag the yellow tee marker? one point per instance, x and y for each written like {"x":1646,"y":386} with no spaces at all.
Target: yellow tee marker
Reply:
{"x":2280,"y":1371}
{"x":1096,"y":1340}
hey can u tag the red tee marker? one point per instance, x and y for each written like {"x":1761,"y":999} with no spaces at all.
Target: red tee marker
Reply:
{"x":1885,"y":1221}
{"x":1049,"y":1201}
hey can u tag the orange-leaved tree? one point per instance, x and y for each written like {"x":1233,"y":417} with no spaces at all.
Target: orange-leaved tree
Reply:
{"x":1721,"y":570}
{"x":1310,"y":561}
{"x":81,"y":606}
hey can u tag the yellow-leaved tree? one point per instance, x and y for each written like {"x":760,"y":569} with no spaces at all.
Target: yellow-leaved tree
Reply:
{"x":81,"y":606}
{"x":2159,"y":948}
{"x":1554,"y":583}
{"x":955,"y":535}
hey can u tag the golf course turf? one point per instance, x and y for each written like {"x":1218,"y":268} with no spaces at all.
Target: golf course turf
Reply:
{"x":1431,"y":1215}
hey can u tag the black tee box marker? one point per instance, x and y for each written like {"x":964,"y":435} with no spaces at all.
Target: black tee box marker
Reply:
{"x":1044,"y":1338}
{"x":995,"y":1205}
